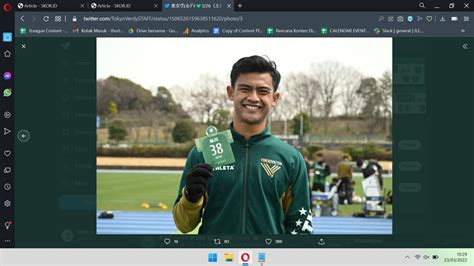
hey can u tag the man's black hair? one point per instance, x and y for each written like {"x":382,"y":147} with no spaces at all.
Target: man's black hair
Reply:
{"x":257,"y":64}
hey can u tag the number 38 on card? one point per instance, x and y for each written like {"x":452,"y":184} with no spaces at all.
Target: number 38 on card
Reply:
{"x":215,"y":147}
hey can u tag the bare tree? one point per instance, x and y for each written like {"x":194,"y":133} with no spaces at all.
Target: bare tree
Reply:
{"x":302,"y":93}
{"x":350,"y":82}
{"x":328,"y":74}
{"x":207,"y":96}
{"x":284,"y":109}
{"x":369,"y":91}
{"x":386,"y":91}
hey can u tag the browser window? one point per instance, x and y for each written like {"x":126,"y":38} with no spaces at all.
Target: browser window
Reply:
{"x":237,"y":132}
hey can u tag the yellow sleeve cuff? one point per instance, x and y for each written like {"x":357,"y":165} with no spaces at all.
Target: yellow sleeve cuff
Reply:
{"x":188,"y":204}
{"x":186,"y":214}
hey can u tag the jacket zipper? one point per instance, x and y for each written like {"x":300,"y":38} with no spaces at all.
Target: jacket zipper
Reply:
{"x":245,"y":185}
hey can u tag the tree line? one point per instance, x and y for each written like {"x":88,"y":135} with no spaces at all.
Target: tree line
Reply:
{"x":324,"y":90}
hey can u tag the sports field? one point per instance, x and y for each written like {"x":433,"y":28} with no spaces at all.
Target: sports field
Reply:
{"x":128,"y":190}
{"x":142,"y":203}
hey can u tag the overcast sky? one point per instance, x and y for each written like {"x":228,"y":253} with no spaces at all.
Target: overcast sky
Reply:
{"x":153,"y":62}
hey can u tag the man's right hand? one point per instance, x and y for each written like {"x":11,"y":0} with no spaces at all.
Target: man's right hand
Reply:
{"x":196,"y":182}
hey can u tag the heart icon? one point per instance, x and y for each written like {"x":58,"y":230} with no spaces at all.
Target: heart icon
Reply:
{"x":268,"y":241}
{"x":7,"y":153}
{"x":429,"y":18}
{"x":167,"y":241}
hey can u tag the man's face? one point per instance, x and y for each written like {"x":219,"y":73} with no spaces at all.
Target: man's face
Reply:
{"x":253,"y":96}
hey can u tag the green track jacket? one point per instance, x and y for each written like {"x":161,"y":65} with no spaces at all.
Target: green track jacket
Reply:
{"x":264,"y":192}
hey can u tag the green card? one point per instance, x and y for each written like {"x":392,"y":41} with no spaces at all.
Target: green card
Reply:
{"x":215,"y":147}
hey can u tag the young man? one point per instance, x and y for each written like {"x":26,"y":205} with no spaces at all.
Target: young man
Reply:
{"x":266,"y":190}
{"x":344,"y":173}
{"x":321,"y":171}
{"x":369,"y":168}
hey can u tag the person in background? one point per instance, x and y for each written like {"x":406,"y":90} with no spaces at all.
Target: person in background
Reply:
{"x":307,"y":163}
{"x":321,"y":171}
{"x":310,"y":175}
{"x":369,"y":168}
{"x":344,"y":173}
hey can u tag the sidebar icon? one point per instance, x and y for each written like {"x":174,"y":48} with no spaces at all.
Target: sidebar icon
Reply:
{"x":7,"y":127}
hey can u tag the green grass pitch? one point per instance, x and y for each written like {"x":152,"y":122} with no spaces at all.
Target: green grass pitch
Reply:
{"x":125,"y":191}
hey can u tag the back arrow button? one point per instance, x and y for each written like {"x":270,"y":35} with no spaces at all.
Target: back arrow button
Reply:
{"x":23,"y":135}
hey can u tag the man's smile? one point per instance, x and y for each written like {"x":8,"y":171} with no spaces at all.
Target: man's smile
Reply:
{"x":250,"y":106}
